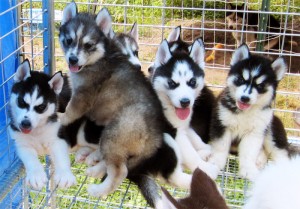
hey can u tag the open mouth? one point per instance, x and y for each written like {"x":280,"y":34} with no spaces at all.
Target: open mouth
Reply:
{"x":74,"y":68}
{"x":25,"y":130}
{"x":182,"y":113}
{"x":242,"y":105}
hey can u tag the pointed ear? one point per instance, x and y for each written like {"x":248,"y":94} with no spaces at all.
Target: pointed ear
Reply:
{"x":56,"y":82}
{"x":175,"y":34}
{"x":23,"y":71}
{"x":240,"y":54}
{"x":166,"y":197}
{"x":163,"y":54}
{"x":111,"y":34}
{"x":279,"y":68}
{"x":70,"y":11}
{"x":197,"y":53}
{"x":134,"y":33}
{"x":104,"y":21}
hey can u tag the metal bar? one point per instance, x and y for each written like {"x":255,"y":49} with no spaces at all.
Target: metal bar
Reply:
{"x":48,"y":24}
{"x":262,"y":27}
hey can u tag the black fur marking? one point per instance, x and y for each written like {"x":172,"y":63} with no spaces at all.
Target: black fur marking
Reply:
{"x":166,"y":69}
{"x":69,"y":132}
{"x":162,"y":162}
{"x":92,"y":132}
{"x":64,"y":96}
{"x":202,"y":112}
{"x":53,"y":118}
{"x":279,"y":134}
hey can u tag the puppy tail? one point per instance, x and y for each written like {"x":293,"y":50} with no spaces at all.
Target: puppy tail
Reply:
{"x":148,"y":188}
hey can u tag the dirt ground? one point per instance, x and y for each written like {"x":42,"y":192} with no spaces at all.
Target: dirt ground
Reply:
{"x":212,"y":36}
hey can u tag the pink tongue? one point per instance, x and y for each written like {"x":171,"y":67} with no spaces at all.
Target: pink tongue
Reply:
{"x":74,"y":68}
{"x":242,"y":106}
{"x":25,"y":131}
{"x":182,"y":113}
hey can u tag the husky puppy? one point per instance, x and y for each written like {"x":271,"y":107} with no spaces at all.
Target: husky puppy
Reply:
{"x":175,"y":44}
{"x":178,"y":80}
{"x":203,"y":194}
{"x":128,"y":43}
{"x":34,"y":126}
{"x":107,"y":89}
{"x":85,"y":140}
{"x":250,"y":23}
{"x":277,"y":186}
{"x":244,"y":115}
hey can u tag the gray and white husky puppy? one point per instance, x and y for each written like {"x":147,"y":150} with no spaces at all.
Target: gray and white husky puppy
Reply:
{"x":136,"y":141}
{"x":178,"y":79}
{"x":244,"y":115}
{"x":128,"y":43}
{"x":34,"y":126}
{"x":83,"y":135}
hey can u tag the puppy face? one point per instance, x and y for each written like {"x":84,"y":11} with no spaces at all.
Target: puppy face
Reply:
{"x":252,"y":80}
{"x":81,"y":38}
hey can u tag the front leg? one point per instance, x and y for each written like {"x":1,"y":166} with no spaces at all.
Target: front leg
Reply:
{"x":220,"y":150}
{"x":204,"y":150}
{"x":190,"y":157}
{"x":249,"y":149}
{"x":59,"y":152}
{"x":35,"y":174}
{"x":76,"y":108}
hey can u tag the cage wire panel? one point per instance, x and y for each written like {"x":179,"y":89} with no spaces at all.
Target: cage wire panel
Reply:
{"x":33,"y":27}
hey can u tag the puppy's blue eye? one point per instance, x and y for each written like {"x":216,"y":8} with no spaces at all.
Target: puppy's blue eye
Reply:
{"x":172,"y":84}
{"x":192,"y":83}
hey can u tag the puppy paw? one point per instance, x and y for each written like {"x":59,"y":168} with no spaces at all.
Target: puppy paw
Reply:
{"x":97,"y":190}
{"x":81,"y":154}
{"x":96,"y":171}
{"x":64,"y":178}
{"x":204,"y":154}
{"x":248,"y":173}
{"x":93,"y":158}
{"x":36,"y":179}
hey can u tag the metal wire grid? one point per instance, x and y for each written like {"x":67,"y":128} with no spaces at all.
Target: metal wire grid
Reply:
{"x":155,"y":22}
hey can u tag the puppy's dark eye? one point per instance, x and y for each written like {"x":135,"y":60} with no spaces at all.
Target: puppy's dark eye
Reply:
{"x":260,"y":87}
{"x":172,"y":84}
{"x":192,"y":83}
{"x":88,"y":45}
{"x":136,"y":53}
{"x":69,"y":41}
{"x":240,"y":81}
{"x":22,"y":103}
{"x":40,"y":108}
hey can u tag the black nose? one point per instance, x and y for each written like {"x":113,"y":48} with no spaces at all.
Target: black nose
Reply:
{"x":185,"y":102}
{"x":231,"y":27}
{"x":150,"y":70}
{"x":245,"y":99}
{"x":26,"y":124}
{"x":73,"y":60}
{"x":137,"y":67}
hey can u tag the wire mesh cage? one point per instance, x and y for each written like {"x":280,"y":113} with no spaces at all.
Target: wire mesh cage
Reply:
{"x":29,"y":29}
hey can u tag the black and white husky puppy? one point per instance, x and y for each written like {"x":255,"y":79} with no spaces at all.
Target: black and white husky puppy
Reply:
{"x":34,"y":126}
{"x":244,"y":115}
{"x":178,"y":79}
{"x":136,"y":141}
